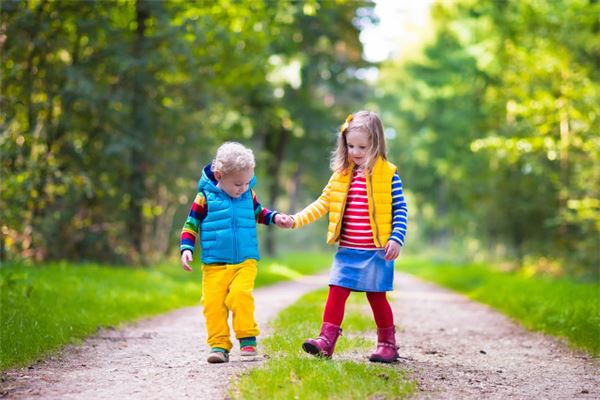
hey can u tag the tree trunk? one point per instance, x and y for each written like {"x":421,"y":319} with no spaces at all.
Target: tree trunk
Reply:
{"x":518,"y":246}
{"x":295,"y":189}
{"x":276,"y":142}
{"x":2,"y":248}
{"x":33,"y":130}
{"x":135,"y":225}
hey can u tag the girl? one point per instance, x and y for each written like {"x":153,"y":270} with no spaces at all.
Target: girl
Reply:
{"x":367,"y":215}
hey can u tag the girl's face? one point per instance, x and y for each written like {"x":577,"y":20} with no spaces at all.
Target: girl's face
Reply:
{"x":358,"y":145}
{"x":235,"y":183}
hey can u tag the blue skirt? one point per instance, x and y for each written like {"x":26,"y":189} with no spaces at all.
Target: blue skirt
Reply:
{"x":362,"y":270}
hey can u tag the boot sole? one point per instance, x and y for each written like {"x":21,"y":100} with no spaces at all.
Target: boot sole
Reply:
{"x":381,"y":360}
{"x":312,"y":349}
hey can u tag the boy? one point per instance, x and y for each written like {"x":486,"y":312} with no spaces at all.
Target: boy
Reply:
{"x":224,"y":214}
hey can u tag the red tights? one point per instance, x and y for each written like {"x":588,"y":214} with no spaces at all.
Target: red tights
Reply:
{"x":336,"y":303}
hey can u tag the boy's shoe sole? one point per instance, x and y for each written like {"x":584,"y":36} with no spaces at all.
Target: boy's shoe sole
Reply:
{"x":217,"y":357}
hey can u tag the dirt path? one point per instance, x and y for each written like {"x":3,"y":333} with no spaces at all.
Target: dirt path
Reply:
{"x":459,"y":349}
{"x":159,"y":358}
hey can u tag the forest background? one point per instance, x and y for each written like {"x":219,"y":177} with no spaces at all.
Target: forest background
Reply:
{"x":109,"y":110}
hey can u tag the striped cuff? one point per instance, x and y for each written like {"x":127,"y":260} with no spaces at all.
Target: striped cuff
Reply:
{"x":397,"y":240}
{"x":272,"y":219}
{"x":184,"y":247}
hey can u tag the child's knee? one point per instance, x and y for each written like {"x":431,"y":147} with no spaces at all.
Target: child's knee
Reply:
{"x":214,"y":302}
{"x":239,"y":298}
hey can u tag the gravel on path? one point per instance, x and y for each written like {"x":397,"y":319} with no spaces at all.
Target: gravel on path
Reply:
{"x":460,"y":349}
{"x":455,"y":348}
{"x":158,"y":358}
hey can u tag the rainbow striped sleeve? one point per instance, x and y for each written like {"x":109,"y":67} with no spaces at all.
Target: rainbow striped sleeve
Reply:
{"x":399,"y":211}
{"x":314,"y":211}
{"x":263,"y":215}
{"x":191,"y":228}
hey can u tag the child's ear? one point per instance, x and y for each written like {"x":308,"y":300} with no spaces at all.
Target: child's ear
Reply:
{"x":218,"y":175}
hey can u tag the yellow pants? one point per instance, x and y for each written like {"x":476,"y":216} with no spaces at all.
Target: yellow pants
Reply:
{"x":226,"y":288}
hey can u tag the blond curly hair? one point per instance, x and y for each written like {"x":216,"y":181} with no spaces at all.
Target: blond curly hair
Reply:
{"x":233,"y":157}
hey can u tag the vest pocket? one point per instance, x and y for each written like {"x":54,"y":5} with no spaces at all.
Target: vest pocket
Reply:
{"x":209,"y":240}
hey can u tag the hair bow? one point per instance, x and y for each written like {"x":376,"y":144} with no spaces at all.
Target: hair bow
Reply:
{"x":345,"y":124}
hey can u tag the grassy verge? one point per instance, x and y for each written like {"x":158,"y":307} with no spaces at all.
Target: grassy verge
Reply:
{"x":560,"y":307}
{"x":42,"y":308}
{"x":292,"y":374}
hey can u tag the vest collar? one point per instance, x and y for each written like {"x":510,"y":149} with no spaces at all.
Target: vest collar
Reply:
{"x":376,"y":167}
{"x":208,"y":182}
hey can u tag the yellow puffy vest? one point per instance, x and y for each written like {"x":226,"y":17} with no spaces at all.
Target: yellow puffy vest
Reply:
{"x":379,"y":194}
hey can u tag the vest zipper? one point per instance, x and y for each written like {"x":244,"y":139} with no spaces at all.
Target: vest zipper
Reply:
{"x":373,"y":203}
{"x":234,"y":223}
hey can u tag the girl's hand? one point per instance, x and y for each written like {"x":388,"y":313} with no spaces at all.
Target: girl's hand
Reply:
{"x":284,"y":221}
{"x":186,"y":259}
{"x":392,"y":250}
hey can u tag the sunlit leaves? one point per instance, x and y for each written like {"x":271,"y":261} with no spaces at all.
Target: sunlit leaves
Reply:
{"x":508,"y":92}
{"x":100,"y":116}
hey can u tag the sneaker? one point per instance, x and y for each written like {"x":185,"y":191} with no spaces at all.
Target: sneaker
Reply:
{"x":218,"y":356}
{"x":248,"y":351}
{"x":248,"y":346}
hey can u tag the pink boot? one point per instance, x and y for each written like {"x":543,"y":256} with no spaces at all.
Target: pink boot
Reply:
{"x":323,"y":345}
{"x":387,"y":351}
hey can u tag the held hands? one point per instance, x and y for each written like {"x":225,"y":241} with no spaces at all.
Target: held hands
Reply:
{"x":284,"y":221}
{"x":186,"y":259}
{"x":392,"y":250}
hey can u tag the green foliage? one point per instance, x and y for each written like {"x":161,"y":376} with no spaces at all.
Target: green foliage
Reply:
{"x":42,"y":308}
{"x":291,"y":373}
{"x":560,"y":307}
{"x":497,"y":129}
{"x":111,"y":110}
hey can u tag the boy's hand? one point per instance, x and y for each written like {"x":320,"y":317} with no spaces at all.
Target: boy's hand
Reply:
{"x":284,"y":221}
{"x":186,"y":259}
{"x":392,"y":250}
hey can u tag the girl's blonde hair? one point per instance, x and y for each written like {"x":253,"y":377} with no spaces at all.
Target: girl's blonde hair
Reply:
{"x":233,"y":157}
{"x":369,"y":123}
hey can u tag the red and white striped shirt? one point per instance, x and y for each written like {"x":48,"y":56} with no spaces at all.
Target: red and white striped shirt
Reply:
{"x":356,"y":226}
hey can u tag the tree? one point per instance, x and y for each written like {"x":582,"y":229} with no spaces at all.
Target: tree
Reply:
{"x":500,"y":125}
{"x":109,"y":112}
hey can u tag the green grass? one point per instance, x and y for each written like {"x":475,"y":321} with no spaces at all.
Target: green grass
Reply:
{"x":44,"y":307}
{"x":557,"y":306}
{"x":292,"y":374}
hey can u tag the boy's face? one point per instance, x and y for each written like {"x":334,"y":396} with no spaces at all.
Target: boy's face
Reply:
{"x":358,"y":146}
{"x":235,"y":183}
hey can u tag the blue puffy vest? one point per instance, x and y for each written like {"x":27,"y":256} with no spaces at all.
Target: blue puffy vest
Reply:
{"x":228,"y":232}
